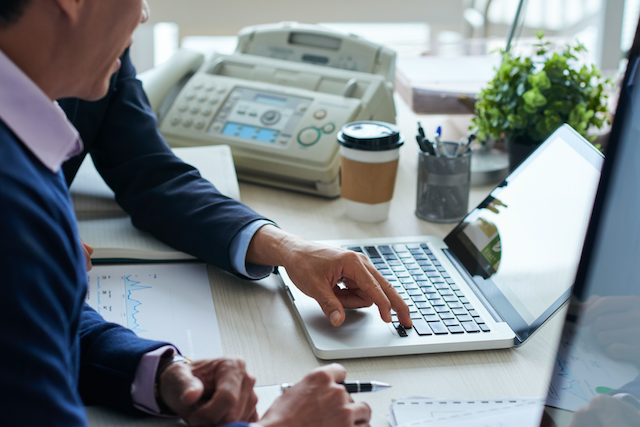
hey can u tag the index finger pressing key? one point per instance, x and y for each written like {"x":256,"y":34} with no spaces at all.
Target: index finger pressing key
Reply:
{"x":397,"y":303}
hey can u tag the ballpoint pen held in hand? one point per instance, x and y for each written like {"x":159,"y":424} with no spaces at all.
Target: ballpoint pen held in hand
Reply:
{"x":354,"y":386}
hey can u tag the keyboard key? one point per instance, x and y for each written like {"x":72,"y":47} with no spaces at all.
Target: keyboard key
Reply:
{"x":402,"y":274}
{"x":384,"y":270}
{"x":419,"y":298}
{"x":448,"y":279}
{"x":424,"y":246}
{"x":433,"y":296}
{"x":438,"y":281}
{"x":446,"y":275}
{"x":390,"y":256}
{"x":406,"y":280}
{"x":394,"y":262}
{"x":400,"y":248}
{"x":428,"y":268}
{"x":372,"y":252}
{"x":416,"y":316}
{"x":456,"y":329}
{"x":438,"y":328}
{"x":436,"y":263}
{"x":455,"y":287}
{"x":485,"y":328}
{"x":411,"y":246}
{"x":454,"y":304}
{"x":433,"y":274}
{"x":432,"y":257}
{"x":446,"y":292}
{"x":474,"y":313}
{"x":470,"y":327}
{"x":397,"y":268}
{"x":413,"y":292}
{"x":419,"y":277}
{"x":391,"y":278}
{"x":425,"y":262}
{"x":440,"y":286}
{"x":410,"y":286}
{"x":412,"y":309}
{"x":468,"y":306}
{"x":385,"y":249}
{"x":441,"y":309}
{"x":423,"y":305}
{"x":421,"y":257}
{"x":421,"y":327}
{"x":355,"y":249}
{"x":401,"y":331}
{"x":451,"y":322}
{"x":415,"y":271}
{"x":450,"y":298}
{"x":465,"y":318}
{"x":479,"y":320}
{"x":459,"y":293}
{"x":427,"y":311}
{"x":458,"y":311}
{"x":423,"y":283}
{"x":464,"y":300}
{"x":432,"y":318}
{"x":446,"y":315}
{"x":441,"y":269}
{"x":429,"y":290}
{"x":438,"y":302}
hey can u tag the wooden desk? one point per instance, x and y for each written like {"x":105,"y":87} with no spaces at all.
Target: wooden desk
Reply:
{"x":257,"y":323}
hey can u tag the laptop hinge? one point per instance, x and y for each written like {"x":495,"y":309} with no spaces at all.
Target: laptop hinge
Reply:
{"x":474,"y":287}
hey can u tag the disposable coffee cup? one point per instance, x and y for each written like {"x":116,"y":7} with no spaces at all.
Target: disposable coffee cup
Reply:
{"x":369,"y":153}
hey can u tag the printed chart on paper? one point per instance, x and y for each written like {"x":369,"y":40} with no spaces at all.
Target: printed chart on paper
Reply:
{"x":164,"y":302}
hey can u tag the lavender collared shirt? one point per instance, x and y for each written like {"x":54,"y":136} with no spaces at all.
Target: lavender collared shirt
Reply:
{"x":52,"y":142}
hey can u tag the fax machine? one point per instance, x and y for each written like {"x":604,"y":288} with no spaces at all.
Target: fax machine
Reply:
{"x":278,"y":101}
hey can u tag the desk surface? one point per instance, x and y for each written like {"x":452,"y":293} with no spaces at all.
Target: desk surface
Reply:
{"x":257,"y":323}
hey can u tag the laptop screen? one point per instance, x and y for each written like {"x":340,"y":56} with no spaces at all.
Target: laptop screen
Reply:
{"x":599,"y":353}
{"x":523,"y":243}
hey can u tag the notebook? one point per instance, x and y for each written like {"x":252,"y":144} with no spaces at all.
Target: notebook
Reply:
{"x":493,"y":281}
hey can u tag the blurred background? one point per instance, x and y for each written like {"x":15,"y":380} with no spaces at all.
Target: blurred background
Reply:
{"x":411,"y":27}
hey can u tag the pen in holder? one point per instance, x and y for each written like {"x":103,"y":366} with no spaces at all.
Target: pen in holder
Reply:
{"x":443,"y":184}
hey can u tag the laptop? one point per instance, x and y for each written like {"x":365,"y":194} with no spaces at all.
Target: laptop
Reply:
{"x":502,"y":272}
{"x":602,"y":319}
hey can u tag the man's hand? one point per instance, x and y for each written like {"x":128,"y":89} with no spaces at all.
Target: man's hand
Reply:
{"x":317,"y":270}
{"x":209,"y":392}
{"x":615,"y":325}
{"x":88,"y":251}
{"x":318,"y":400}
{"x":606,"y":411}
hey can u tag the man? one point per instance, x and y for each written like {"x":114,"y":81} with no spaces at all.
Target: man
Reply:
{"x":58,"y":352}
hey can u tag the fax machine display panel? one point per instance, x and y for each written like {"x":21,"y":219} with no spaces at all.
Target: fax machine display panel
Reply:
{"x":259,"y":116}
{"x":523,"y":243}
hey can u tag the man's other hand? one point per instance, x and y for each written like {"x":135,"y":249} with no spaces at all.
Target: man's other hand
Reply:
{"x":209,"y":392}
{"x":335,"y":277}
{"x":318,"y":400}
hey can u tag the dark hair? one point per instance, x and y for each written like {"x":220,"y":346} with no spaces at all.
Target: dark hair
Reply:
{"x":10,"y":11}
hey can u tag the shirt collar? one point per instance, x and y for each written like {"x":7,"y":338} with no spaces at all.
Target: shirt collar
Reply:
{"x":38,"y":122}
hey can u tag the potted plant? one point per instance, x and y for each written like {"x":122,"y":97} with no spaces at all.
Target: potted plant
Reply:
{"x":529,"y":98}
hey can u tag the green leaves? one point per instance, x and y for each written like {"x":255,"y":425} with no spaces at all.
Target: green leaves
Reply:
{"x":531,"y":97}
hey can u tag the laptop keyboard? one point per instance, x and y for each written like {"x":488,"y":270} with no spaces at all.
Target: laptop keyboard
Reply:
{"x":436,"y":303}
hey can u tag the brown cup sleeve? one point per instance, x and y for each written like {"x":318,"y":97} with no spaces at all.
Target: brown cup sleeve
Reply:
{"x":370,"y":183}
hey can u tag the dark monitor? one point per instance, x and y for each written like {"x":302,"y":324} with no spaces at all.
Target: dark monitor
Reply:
{"x":595,"y":379}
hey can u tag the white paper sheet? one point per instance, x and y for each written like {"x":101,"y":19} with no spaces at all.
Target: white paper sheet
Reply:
{"x":418,"y":412}
{"x":583,"y":371}
{"x":165,"y":302}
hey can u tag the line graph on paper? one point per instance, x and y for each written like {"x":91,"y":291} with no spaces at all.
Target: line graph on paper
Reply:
{"x":164,"y":302}
{"x":136,"y":301}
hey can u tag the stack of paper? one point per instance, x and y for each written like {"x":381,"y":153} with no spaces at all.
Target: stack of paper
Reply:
{"x":418,"y":412}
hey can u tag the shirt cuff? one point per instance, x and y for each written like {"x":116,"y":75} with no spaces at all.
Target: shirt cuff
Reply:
{"x":143,"y":386}
{"x":240,"y":246}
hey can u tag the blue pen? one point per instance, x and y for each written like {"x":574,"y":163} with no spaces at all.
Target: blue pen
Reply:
{"x":439,"y":146}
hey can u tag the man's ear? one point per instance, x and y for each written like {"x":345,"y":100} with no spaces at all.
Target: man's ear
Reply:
{"x":71,"y":8}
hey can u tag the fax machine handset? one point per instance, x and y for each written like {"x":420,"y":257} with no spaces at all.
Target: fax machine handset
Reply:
{"x":317,"y":45}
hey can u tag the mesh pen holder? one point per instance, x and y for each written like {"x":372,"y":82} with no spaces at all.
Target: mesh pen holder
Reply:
{"x":443,"y":185}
